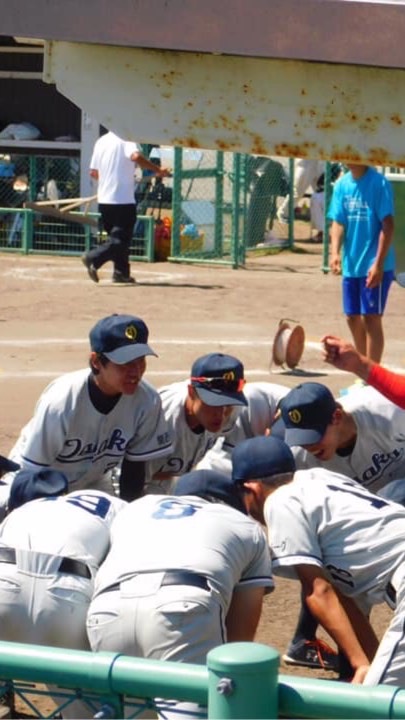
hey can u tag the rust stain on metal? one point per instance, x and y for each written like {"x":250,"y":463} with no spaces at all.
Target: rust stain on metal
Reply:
{"x":396,"y":119}
{"x":292,"y":150}
{"x":347,"y":154}
{"x":259,"y":146}
{"x":303,"y":91}
{"x":378,"y":156}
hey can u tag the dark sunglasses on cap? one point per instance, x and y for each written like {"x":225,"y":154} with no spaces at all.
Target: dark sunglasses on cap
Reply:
{"x":220,"y":383}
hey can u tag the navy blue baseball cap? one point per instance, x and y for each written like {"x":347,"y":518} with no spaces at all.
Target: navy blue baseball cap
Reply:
{"x":260,"y":457}
{"x":28,"y":485}
{"x":307,"y":411}
{"x":121,"y":338}
{"x":219,"y":380}
{"x":210,"y":483}
{"x":7,"y":465}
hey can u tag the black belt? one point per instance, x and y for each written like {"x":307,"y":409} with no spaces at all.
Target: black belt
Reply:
{"x":171,"y":577}
{"x":67,"y":565}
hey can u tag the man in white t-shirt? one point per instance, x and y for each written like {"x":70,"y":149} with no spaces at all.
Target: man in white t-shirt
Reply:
{"x":113,"y":165}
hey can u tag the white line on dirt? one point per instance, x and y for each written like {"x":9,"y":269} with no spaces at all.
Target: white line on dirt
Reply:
{"x":300,"y":373}
{"x":162,"y":341}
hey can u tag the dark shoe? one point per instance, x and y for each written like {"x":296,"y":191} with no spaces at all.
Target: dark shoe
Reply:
{"x":123,"y":279}
{"x":313,"y":654}
{"x":90,"y":268}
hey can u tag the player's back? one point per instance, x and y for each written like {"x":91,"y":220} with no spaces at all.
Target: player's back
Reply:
{"x":75,"y":525}
{"x":159,"y":533}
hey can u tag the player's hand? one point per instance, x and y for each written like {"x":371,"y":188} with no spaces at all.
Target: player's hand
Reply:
{"x":360,"y":674}
{"x":335,"y":264}
{"x":344,"y":356}
{"x":164,"y":172}
{"x":374,"y":277}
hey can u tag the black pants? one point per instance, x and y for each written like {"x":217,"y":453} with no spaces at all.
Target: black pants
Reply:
{"x":118,"y":221}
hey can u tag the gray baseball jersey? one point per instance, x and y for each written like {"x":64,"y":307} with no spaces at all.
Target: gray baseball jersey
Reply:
{"x":187,"y":533}
{"x":326,"y":519}
{"x":245,"y":422}
{"x":45,"y":587}
{"x":67,"y":433}
{"x":378,"y":457}
{"x":188,"y":446}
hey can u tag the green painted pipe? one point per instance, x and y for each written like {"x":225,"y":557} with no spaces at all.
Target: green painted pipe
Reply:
{"x":311,"y":698}
{"x":242,"y":682}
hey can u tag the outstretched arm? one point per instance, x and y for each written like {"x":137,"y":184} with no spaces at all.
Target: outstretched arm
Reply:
{"x":344,"y":356}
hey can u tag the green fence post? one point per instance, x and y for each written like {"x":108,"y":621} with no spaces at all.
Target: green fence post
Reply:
{"x":291,"y":208}
{"x":237,"y":254}
{"x":176,"y":201}
{"x":219,"y":203}
{"x":328,"y":195}
{"x":28,"y":231}
{"x":243,"y":682}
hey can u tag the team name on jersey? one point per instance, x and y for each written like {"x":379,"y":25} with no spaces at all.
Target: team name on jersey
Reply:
{"x":380,"y":463}
{"x":75,"y":448}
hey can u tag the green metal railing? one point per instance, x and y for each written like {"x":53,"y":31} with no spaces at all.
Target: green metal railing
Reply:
{"x":24,"y":230}
{"x":239,"y":681}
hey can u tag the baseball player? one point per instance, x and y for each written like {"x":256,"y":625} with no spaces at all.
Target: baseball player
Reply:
{"x":50,"y":550}
{"x":251,"y":420}
{"x":197,"y":411}
{"x":345,"y":544}
{"x":185,"y":573}
{"x":362,"y":436}
{"x":88,"y":422}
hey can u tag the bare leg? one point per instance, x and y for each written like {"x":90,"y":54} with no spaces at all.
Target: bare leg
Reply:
{"x":374,"y":337}
{"x":358,"y":331}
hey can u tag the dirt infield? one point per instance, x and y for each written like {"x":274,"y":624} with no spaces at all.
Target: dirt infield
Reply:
{"x":48,"y":305}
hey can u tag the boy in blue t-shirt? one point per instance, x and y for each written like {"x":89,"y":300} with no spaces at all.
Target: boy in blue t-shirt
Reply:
{"x":361,"y":211}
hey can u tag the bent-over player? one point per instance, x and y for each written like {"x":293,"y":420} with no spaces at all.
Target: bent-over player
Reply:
{"x":88,"y":422}
{"x":345,"y":545}
{"x":200,"y":584}
{"x":361,"y":435}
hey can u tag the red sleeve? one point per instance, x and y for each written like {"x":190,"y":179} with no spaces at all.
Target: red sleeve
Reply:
{"x":389,"y":384}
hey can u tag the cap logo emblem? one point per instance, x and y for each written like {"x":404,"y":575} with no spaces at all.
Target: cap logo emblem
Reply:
{"x":295,"y":416}
{"x":131,"y":332}
{"x":229,"y":375}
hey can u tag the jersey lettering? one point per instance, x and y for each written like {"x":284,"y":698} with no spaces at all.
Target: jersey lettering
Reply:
{"x":173,"y":510}
{"x":98,"y":506}
{"x":380,"y":464}
{"x":374,"y":501}
{"x":74,"y":447}
{"x":173,"y":465}
{"x":341,"y":575}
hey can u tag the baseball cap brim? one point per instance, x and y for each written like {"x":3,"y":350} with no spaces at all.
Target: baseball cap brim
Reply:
{"x":126,"y":354}
{"x":303,"y":436}
{"x":219,"y":398}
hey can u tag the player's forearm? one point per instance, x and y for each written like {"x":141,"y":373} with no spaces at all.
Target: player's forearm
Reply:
{"x":336,"y":237}
{"x":132,"y":480}
{"x":325,"y":606}
{"x":388,"y":383}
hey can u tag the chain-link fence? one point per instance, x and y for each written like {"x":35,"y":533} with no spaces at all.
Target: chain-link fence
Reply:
{"x":216,"y":207}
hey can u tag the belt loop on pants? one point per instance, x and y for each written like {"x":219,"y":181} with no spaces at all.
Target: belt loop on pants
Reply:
{"x":67,"y":565}
{"x":170,"y":577}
